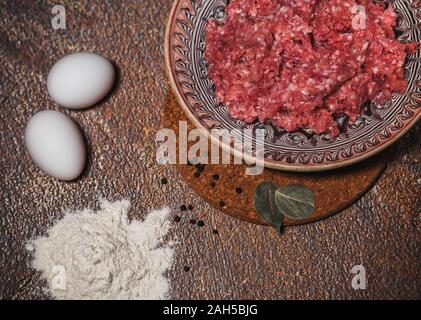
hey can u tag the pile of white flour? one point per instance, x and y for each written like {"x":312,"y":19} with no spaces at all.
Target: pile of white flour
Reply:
{"x":100,"y":255}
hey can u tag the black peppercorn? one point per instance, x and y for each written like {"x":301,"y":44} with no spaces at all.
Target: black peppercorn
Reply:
{"x":238,"y":190}
{"x":200,"y":167}
{"x":200,"y":223}
{"x":183,"y":208}
{"x":164,"y":181}
{"x":215,"y":177}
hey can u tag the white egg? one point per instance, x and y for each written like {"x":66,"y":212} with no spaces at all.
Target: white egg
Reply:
{"x":80,"y":80}
{"x":56,"y":144}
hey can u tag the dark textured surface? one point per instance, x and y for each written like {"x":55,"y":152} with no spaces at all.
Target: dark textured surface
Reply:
{"x":381,"y":231}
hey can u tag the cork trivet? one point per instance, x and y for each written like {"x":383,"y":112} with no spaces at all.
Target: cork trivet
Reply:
{"x":230,"y":190}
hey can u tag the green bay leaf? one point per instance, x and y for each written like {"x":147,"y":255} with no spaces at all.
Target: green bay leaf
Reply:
{"x":295,"y":201}
{"x":264,"y":202}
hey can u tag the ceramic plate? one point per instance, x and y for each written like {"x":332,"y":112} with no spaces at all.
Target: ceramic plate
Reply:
{"x":376,"y":129}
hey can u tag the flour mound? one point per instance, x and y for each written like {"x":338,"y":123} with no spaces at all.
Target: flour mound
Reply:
{"x":100,"y":255}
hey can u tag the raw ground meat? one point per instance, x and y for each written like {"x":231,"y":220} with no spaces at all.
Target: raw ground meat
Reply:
{"x":303,"y":63}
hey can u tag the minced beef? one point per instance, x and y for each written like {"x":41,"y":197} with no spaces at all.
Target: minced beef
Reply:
{"x":303,"y":63}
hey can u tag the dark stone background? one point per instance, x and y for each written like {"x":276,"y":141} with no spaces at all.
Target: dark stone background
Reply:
{"x":381,"y":231}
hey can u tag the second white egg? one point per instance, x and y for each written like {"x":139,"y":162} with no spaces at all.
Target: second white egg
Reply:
{"x":80,"y":80}
{"x":55,"y":144}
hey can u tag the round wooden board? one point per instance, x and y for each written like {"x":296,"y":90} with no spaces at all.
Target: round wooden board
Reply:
{"x":334,"y":190}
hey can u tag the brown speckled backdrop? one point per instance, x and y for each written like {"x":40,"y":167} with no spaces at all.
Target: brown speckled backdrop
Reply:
{"x":381,"y":231}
